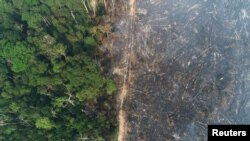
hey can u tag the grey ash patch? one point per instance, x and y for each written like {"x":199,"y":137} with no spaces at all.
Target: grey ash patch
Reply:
{"x":191,"y":69}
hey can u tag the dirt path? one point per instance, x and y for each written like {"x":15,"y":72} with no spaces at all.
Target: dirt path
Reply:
{"x":124,"y":91}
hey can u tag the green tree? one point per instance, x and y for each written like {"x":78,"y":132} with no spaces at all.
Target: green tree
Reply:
{"x":51,"y":86}
{"x":44,"y":123}
{"x":17,"y":55}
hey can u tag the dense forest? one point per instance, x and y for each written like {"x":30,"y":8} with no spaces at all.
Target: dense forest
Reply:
{"x":51,"y":86}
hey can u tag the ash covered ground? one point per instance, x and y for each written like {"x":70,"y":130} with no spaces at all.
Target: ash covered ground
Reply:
{"x":188,"y":67}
